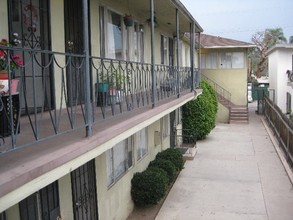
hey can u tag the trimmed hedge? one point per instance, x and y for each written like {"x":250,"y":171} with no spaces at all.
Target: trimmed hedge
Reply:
{"x":166,"y":165}
{"x":174,"y":155}
{"x":149,"y":186}
{"x":199,"y":116}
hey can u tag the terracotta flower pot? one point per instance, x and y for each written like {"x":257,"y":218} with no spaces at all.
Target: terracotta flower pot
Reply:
{"x":128,"y":20}
{"x":4,"y":74}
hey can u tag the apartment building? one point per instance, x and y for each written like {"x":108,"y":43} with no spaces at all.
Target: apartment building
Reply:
{"x":97,"y":97}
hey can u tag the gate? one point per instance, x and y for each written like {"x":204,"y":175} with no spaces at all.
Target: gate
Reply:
{"x":84,"y":192}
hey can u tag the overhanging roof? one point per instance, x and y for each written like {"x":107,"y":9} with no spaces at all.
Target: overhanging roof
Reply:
{"x":214,"y":42}
{"x":165,"y":13}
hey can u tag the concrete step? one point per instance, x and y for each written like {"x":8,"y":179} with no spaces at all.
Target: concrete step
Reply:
{"x":238,"y":115}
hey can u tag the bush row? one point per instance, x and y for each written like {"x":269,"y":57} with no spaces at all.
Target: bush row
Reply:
{"x":149,"y":186}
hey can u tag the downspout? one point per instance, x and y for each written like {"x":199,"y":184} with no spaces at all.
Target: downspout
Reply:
{"x":192,"y":55}
{"x":199,"y":60}
{"x":153,"y":54}
{"x":88,"y":110}
{"x":177,"y":51}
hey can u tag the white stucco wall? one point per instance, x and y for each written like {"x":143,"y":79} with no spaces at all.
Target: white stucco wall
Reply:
{"x":280,"y":60}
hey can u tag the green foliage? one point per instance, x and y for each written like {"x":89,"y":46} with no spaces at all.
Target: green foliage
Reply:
{"x":149,"y":186}
{"x":173,"y":155}
{"x":199,"y":116}
{"x":166,"y":165}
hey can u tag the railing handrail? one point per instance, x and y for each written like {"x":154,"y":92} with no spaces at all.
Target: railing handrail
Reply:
{"x":219,"y":89}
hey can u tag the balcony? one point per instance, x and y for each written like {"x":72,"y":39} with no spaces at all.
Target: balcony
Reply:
{"x":56,"y":97}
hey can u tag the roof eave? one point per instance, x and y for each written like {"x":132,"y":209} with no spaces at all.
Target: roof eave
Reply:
{"x":228,"y":47}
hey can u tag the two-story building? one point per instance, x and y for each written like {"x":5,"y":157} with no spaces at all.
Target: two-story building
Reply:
{"x":224,"y":63}
{"x":98,"y":97}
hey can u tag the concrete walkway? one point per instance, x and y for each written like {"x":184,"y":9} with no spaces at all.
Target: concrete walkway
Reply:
{"x":235,"y":175}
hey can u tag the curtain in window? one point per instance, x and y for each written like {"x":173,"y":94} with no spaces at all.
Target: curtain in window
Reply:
{"x":142,"y":144}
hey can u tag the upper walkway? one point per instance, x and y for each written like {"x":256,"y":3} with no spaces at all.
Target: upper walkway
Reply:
{"x":236,"y":174}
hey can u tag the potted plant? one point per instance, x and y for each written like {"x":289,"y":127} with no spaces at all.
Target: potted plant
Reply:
{"x":128,"y":20}
{"x":117,"y":85}
{"x":8,"y":63}
{"x":102,"y":87}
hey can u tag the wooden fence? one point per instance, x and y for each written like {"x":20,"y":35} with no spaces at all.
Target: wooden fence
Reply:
{"x":282,"y":127}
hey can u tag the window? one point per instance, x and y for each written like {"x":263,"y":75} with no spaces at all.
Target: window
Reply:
{"x":138,"y":43}
{"x":209,"y":61}
{"x":142,"y":143}
{"x":233,"y":60}
{"x":119,"y":160}
{"x":164,"y":50}
{"x":117,"y":41}
{"x":112,"y":34}
{"x":43,"y":204}
{"x":165,"y":126}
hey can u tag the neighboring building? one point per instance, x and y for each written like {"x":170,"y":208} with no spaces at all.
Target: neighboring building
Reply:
{"x":280,"y":86}
{"x":70,"y":148}
{"x":225,"y":63}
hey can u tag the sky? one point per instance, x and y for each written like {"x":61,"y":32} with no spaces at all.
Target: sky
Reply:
{"x":239,"y":19}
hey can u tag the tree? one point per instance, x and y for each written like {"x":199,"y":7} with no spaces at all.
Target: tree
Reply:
{"x":291,"y":40}
{"x":264,"y":41}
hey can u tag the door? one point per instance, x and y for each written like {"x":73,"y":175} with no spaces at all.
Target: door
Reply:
{"x":74,"y":44}
{"x":83,"y":181}
{"x":30,"y":20}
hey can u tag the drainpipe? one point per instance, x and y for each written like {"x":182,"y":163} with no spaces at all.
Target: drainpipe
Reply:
{"x":199,"y":60}
{"x":88,"y":110}
{"x":177,"y":50}
{"x":192,"y":54}
{"x":153,"y":53}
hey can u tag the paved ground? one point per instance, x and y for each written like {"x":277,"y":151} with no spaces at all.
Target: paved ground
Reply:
{"x":236,"y":175}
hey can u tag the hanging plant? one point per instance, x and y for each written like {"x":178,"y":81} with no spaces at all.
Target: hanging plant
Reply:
{"x":128,"y":20}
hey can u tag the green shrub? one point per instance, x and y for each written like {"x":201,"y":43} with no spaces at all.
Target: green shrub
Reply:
{"x":149,"y":186}
{"x":166,"y":165}
{"x":199,"y":116}
{"x":174,"y":155}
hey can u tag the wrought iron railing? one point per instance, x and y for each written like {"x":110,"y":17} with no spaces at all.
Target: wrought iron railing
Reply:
{"x":51,"y":97}
{"x":221,"y":92}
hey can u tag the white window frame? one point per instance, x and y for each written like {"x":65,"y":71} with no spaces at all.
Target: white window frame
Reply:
{"x":119,"y":160}
{"x":232,"y":60}
{"x":209,"y":61}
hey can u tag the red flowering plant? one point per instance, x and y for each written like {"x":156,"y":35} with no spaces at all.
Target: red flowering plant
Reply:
{"x":5,"y":63}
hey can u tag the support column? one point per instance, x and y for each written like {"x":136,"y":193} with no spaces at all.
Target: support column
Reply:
{"x":199,"y":60}
{"x":192,"y":55}
{"x":88,"y":109}
{"x":177,"y":52}
{"x":153,"y":53}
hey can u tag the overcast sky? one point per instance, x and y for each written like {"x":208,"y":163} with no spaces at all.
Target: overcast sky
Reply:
{"x":238,"y":19}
